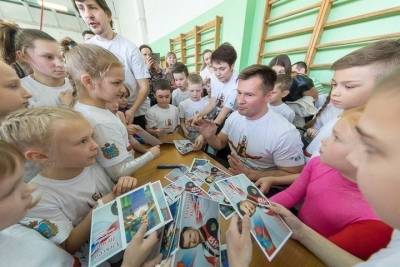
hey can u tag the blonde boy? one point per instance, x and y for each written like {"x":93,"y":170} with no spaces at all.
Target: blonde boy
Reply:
{"x":192,"y":106}
{"x":281,"y":89}
{"x":162,"y":118}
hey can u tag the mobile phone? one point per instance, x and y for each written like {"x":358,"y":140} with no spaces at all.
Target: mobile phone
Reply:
{"x":156,"y":56}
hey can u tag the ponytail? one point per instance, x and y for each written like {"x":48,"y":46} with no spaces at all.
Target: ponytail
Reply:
{"x":8,"y":31}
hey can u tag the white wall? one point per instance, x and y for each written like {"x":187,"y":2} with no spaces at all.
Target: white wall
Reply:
{"x":162,"y":16}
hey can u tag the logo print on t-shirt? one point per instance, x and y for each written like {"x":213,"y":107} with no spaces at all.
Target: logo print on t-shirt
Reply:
{"x":168,"y":122}
{"x":241,"y":148}
{"x":220,"y":100}
{"x":44,"y":227}
{"x":110,"y":151}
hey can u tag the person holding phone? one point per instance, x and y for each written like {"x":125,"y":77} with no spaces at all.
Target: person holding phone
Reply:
{"x":152,"y":61}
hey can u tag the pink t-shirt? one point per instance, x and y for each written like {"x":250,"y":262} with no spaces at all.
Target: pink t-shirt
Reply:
{"x":330,"y":201}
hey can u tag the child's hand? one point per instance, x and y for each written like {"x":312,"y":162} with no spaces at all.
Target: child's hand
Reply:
{"x":297,"y":226}
{"x":124,"y":184}
{"x":240,"y":248}
{"x":155,"y":150}
{"x":265,"y":183}
{"x":139,"y":248}
{"x":311,"y":132}
{"x":198,"y":143}
{"x":67,"y":98}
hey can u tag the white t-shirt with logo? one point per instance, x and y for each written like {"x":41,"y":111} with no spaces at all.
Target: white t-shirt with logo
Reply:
{"x":225,"y":93}
{"x":21,"y":246}
{"x":135,"y":68}
{"x":166,"y":118}
{"x":284,"y":110}
{"x":178,"y":96}
{"x":43,"y":95}
{"x":189,"y":108}
{"x":267,"y":142}
{"x":110,"y":134}
{"x":66,"y":202}
{"x":386,"y":257}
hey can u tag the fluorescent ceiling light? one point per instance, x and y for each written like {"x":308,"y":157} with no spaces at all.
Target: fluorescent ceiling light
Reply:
{"x":53,"y":6}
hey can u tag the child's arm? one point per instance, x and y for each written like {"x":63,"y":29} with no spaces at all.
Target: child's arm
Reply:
{"x":137,"y":146}
{"x":212,"y":103}
{"x":79,"y":235}
{"x":222,"y":115}
{"x":183,"y":127}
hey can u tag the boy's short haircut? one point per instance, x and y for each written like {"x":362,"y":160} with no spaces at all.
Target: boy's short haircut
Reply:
{"x":302,"y":65}
{"x":162,"y":84}
{"x":384,"y":53}
{"x":103,"y":5}
{"x":145,"y":46}
{"x":87,"y":32}
{"x":180,"y":68}
{"x":283,"y":82}
{"x":195,"y":78}
{"x":9,"y":157}
{"x":265,"y":73}
{"x":224,"y":53}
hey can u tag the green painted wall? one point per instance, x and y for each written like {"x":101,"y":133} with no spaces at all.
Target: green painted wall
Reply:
{"x":242,"y":24}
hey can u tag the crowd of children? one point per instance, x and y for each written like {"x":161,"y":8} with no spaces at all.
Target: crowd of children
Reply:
{"x":69,"y":110}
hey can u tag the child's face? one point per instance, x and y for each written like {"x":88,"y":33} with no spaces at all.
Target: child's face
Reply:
{"x":73,"y":145}
{"x":45,"y":58}
{"x":110,"y":88}
{"x":15,"y":197}
{"x":123,"y":100}
{"x":95,"y":17}
{"x":337,"y":147}
{"x":12,"y":95}
{"x":352,"y":87}
{"x":171,"y":60}
{"x":207,"y":59}
{"x":207,"y":86}
{"x":277,"y":94}
{"x":191,"y":238}
{"x":180,"y":80}
{"x":222,"y":71}
{"x":146,"y":53}
{"x":163,"y":98}
{"x":377,"y":156}
{"x":195,"y":91}
{"x":298,"y":70}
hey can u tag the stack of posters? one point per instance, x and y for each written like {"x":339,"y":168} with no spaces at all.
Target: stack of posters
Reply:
{"x":183,"y":146}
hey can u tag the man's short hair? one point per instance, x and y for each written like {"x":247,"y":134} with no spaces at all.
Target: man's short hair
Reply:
{"x":283,"y":82}
{"x":103,"y":5}
{"x":181,"y":239}
{"x":180,"y":68}
{"x":145,"y":46}
{"x":302,"y":65}
{"x":87,"y":32}
{"x":265,"y":73}
{"x":224,"y":53}
{"x":195,"y":78}
{"x":384,"y":53}
{"x":162,"y":84}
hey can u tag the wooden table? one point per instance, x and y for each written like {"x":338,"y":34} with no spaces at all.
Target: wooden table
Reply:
{"x":292,"y":254}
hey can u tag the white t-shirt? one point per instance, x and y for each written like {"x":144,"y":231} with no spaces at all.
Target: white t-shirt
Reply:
{"x":178,"y":96}
{"x":206,"y":74}
{"x":329,"y":113}
{"x":65,"y":203}
{"x":109,"y":133}
{"x":189,"y":108}
{"x":386,"y":257}
{"x":135,"y":68}
{"x":21,"y":246}
{"x":225,"y":93}
{"x":166,"y":118}
{"x":43,"y":95}
{"x":284,"y":110}
{"x":324,"y":132}
{"x":264,"y":143}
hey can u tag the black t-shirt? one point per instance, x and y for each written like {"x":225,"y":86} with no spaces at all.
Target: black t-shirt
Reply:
{"x":300,"y":84}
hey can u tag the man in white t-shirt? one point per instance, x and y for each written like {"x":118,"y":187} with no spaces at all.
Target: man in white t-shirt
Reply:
{"x":263,"y":143}
{"x":99,"y":20}
{"x":163,"y":117}
{"x":223,"y":83}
